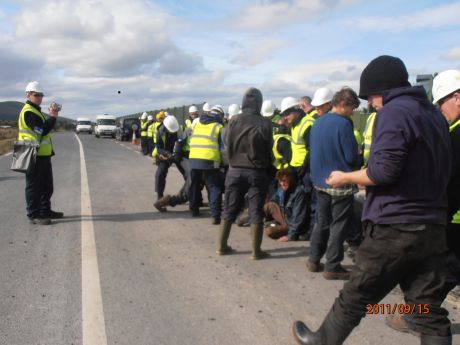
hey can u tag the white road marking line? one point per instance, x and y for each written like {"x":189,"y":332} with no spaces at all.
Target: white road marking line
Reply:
{"x":93,"y":322}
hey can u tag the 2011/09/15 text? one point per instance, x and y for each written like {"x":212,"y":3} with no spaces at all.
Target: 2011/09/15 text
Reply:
{"x":398,"y":308}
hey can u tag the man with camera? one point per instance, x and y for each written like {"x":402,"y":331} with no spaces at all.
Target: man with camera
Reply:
{"x":35,"y":126}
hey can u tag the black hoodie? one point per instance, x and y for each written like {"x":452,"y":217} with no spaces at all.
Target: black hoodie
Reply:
{"x":248,"y":138}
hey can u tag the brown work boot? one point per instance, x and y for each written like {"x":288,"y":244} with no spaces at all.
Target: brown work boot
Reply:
{"x":339,"y":273}
{"x":161,"y":203}
{"x":397,"y":322}
{"x":312,"y":266}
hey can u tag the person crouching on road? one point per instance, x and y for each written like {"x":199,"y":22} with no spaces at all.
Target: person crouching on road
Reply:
{"x":35,"y":126}
{"x":249,"y":142}
{"x":288,"y":207}
{"x":165,"y":140}
{"x":206,"y":146}
{"x":333,"y":147}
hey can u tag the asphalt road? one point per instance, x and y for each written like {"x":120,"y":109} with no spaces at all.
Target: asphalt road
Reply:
{"x":115,"y":271}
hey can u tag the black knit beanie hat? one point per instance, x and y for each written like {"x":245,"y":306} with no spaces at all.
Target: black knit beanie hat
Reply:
{"x":383,"y":73}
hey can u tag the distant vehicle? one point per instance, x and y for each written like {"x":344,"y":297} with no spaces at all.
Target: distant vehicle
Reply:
{"x":105,"y":126}
{"x":83,"y":125}
{"x":126,"y":127}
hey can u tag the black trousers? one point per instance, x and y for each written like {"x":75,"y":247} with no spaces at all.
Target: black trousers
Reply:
{"x":39,"y":188}
{"x":238,"y":182}
{"x":160,"y":176}
{"x":144,"y":145}
{"x":387,"y":257}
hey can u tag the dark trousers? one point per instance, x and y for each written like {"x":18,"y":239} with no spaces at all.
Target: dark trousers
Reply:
{"x":238,"y":182}
{"x":212,"y":180}
{"x":388,"y":257}
{"x":150,"y":145}
{"x":182,"y":196}
{"x":39,"y":188}
{"x":144,"y":146}
{"x":333,"y":215}
{"x":160,"y":177}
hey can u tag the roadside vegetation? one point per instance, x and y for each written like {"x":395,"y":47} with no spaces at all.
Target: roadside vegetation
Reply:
{"x":7,"y":137}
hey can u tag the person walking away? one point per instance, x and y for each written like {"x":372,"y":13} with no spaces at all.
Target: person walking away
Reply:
{"x":206,"y":146}
{"x":144,"y":138}
{"x":33,"y":125}
{"x":249,"y":142}
{"x":404,"y":212}
{"x":333,"y":147}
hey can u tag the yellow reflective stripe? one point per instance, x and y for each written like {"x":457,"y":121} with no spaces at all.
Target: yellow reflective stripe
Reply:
{"x":455,"y":124}
{"x":301,"y":130}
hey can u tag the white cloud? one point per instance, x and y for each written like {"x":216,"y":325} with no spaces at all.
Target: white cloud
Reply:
{"x":452,"y":55}
{"x":436,"y":17}
{"x":276,"y":13}
{"x":256,"y":52}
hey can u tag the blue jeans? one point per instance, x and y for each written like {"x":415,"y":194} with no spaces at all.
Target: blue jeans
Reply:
{"x":212,"y":180}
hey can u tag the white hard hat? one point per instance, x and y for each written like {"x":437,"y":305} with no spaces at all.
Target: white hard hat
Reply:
{"x":144,"y":115}
{"x":150,"y":118}
{"x":217,"y":109}
{"x":171,"y":123}
{"x":445,"y":83}
{"x":193,"y":109}
{"x":322,"y":96}
{"x":268,"y":108}
{"x":233,"y":110}
{"x":34,"y":86}
{"x":288,"y":102}
{"x":206,"y":107}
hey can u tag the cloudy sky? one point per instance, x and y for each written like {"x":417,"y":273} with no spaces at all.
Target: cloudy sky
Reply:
{"x":170,"y":53}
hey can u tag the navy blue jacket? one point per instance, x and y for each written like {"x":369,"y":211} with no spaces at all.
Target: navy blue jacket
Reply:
{"x":409,"y":161}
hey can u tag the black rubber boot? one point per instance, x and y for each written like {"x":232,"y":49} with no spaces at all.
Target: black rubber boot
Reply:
{"x":331,"y":332}
{"x":257,"y":232}
{"x":435,"y":340}
{"x":224,"y":248}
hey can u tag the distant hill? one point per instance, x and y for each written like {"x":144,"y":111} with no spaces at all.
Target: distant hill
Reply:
{"x":9,"y":111}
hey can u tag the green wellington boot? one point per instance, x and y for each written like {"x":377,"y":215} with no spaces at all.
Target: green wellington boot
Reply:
{"x":257,"y":232}
{"x":224,"y":248}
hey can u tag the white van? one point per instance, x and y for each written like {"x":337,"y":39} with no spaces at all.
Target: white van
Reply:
{"x":83,"y":125}
{"x":105,"y":126}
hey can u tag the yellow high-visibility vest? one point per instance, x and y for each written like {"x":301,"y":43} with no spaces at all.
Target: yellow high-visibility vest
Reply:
{"x":204,"y":142}
{"x":456,"y":217}
{"x":188,"y":123}
{"x":278,"y":156}
{"x":26,"y":133}
{"x":144,"y":127}
{"x":150,"y":130}
{"x":299,"y":149}
{"x":368,"y":137}
{"x":155,"y":130}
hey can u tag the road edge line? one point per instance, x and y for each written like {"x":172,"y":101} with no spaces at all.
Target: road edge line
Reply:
{"x":93,"y":322}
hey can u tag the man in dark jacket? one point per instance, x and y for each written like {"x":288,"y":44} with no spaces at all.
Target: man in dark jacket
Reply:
{"x":249,"y":142}
{"x":404,"y":213}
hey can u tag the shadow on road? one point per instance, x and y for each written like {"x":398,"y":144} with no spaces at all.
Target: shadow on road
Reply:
{"x":124,"y":217}
{"x":6,"y":178}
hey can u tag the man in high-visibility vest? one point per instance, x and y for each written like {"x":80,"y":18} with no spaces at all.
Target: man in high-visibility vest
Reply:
{"x":446,"y":94}
{"x":307,"y":107}
{"x":206,"y":159}
{"x":193,"y":114}
{"x":150,"y":129}
{"x":144,"y":137}
{"x":35,"y":126}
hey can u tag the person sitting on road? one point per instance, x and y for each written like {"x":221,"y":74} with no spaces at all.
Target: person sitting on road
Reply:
{"x":288,"y":208}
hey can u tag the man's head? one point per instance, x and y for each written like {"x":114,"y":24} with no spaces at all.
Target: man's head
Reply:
{"x":193,"y":112}
{"x":305,"y":104}
{"x":34,"y":92}
{"x":383,"y":73}
{"x":290,"y":110}
{"x":286,"y":178}
{"x":322,"y":100}
{"x":345,"y":101}
{"x":161,"y":116}
{"x":446,"y":93}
